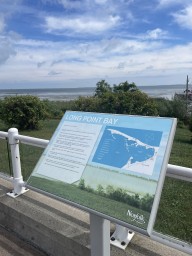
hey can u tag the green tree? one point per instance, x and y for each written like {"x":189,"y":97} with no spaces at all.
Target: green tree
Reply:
{"x":88,"y":104}
{"x":175,"y":107}
{"x":143,"y":104}
{"x":108,"y":103}
{"x":164,"y":107}
{"x":23,"y":112}
{"x":124,"y":99}
{"x":130,"y":102}
{"x":125,"y":87}
{"x":102,"y":87}
{"x":179,"y":109}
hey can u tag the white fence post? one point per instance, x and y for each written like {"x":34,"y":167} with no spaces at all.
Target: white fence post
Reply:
{"x":18,"y":183}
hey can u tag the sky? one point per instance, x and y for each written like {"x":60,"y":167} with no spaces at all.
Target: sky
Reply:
{"x":76,"y":43}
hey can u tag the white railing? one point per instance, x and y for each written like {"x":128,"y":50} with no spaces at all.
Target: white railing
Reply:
{"x":174,"y":171}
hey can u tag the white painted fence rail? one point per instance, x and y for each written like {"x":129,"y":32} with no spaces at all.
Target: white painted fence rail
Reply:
{"x":174,"y":171}
{"x":3,"y":135}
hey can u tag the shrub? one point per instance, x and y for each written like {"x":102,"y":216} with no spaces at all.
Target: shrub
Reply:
{"x":53,"y":109}
{"x":87,"y":104}
{"x":164,"y":107}
{"x":23,"y":112}
{"x":180,"y":124}
{"x":129,"y":102}
{"x":179,"y":109}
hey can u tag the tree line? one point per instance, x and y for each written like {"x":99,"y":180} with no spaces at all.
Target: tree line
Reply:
{"x":120,"y":195}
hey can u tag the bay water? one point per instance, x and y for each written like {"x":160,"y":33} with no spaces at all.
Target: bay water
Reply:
{"x":65,"y":94}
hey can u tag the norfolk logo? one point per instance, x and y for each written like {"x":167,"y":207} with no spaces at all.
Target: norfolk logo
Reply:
{"x":139,"y":218}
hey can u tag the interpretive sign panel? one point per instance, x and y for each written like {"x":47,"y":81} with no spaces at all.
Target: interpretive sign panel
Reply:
{"x":112,"y":165}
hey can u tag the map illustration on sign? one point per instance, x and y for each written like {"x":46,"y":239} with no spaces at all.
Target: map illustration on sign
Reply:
{"x":128,"y":149}
{"x":110,"y":164}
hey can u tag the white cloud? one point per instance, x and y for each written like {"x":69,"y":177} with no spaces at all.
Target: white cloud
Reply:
{"x":6,"y":50}
{"x":117,"y":54}
{"x":184,"y":17}
{"x":44,"y":61}
{"x":80,"y":24}
{"x":156,"y":34}
{"x":7,"y":38}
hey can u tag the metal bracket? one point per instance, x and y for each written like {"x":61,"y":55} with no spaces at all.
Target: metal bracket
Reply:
{"x":121,"y":237}
{"x":19,"y":187}
{"x":14,"y":195}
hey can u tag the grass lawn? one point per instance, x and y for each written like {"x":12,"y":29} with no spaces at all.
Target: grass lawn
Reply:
{"x":175,"y":211}
{"x":181,"y":153}
{"x":174,"y":216}
{"x":5,"y":161}
{"x":29,"y":155}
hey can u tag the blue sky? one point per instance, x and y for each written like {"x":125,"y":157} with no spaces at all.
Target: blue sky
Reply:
{"x":62,"y":43}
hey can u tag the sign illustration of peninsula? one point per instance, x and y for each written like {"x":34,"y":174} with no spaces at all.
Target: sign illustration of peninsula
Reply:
{"x":128,"y":149}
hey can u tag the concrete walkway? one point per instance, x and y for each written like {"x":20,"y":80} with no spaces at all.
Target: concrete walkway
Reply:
{"x":12,"y":245}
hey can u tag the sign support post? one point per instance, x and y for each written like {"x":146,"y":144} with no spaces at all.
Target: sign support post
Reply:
{"x":100,"y":236}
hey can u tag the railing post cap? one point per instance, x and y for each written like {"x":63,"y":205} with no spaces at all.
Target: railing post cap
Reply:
{"x":13,"y":130}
